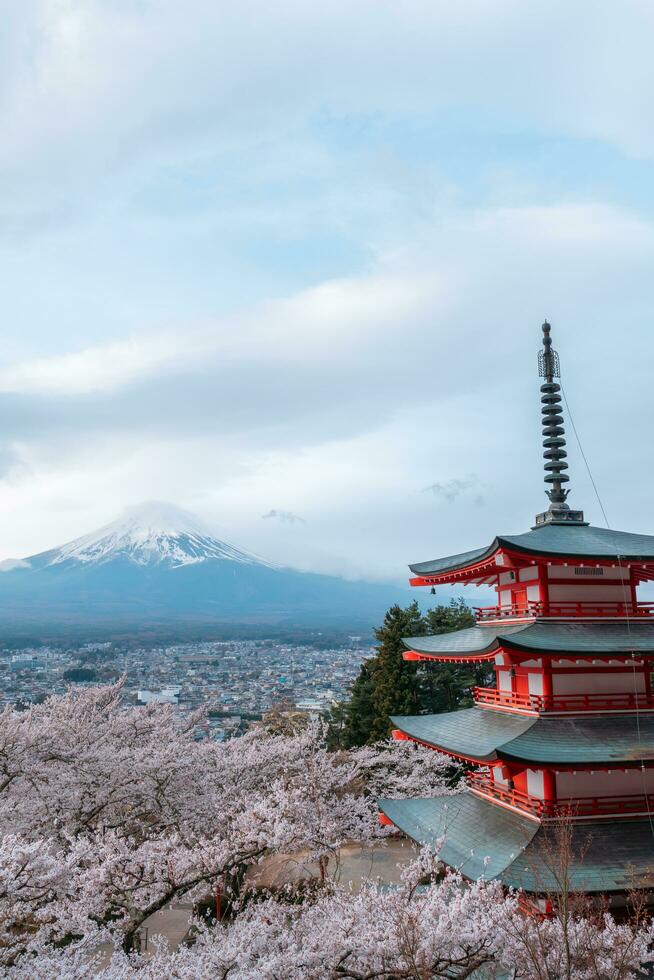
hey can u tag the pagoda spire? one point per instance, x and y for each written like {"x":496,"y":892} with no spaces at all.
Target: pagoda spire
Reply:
{"x":554,"y":452}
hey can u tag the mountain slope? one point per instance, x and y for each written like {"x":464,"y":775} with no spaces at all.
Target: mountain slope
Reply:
{"x":153,"y":533}
{"x":159,"y":565}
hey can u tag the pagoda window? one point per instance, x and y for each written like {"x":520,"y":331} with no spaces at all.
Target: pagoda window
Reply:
{"x":535,"y":783}
{"x":505,"y":679}
{"x":535,"y":684}
{"x":500,"y":775}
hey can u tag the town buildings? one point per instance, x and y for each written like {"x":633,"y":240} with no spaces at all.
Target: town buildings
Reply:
{"x":236,"y":681}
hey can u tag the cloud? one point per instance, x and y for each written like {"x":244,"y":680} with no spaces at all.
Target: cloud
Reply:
{"x":348,"y":393}
{"x":285,"y":516}
{"x":326,"y":320}
{"x":302,"y":252}
{"x":96,"y":369}
{"x":9,"y":564}
{"x":451,"y":490}
{"x":304,"y":57}
{"x":11,"y":462}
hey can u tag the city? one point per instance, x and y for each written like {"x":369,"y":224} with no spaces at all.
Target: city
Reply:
{"x":235,"y":681}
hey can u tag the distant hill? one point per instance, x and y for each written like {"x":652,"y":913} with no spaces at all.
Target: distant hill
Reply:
{"x":159,"y":566}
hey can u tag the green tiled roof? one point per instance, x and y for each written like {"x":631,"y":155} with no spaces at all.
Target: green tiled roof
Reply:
{"x":454,"y":561}
{"x":607,"y":856}
{"x":548,"y":637}
{"x":470,"y":835}
{"x":595,"y":739}
{"x":483,"y":734}
{"x":561,"y":540}
{"x":472,"y":732}
{"x":462,"y":643}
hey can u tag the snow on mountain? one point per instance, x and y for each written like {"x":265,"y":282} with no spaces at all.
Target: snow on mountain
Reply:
{"x":152,"y":533}
{"x":158,"y":568}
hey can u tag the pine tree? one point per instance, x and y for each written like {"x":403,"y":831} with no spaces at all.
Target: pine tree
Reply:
{"x":446,"y":687}
{"x":389,"y":685}
{"x":395,"y":687}
{"x":359,"y":710}
{"x":446,"y":619}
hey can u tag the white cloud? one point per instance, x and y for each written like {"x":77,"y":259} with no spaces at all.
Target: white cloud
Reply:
{"x":323,"y":321}
{"x":344,"y":400}
{"x":286,"y":253}
{"x":103,"y":368}
{"x":108,"y":80}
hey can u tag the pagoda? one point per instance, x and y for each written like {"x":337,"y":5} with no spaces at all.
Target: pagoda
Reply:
{"x":568,"y":730}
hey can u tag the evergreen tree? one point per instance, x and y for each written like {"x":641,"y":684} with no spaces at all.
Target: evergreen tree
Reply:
{"x":446,"y":619}
{"x":359,"y":710}
{"x":446,"y":687}
{"x":395,"y":684}
{"x":389,"y":685}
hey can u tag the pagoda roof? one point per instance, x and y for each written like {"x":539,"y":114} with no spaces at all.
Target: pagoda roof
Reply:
{"x":483,"y":839}
{"x":484,"y":735}
{"x":481,"y":642}
{"x":565,"y":540}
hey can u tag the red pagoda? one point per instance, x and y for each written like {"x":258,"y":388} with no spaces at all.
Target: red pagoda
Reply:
{"x":569,"y":726}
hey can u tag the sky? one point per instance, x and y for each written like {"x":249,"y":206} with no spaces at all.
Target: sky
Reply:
{"x":284,"y":264}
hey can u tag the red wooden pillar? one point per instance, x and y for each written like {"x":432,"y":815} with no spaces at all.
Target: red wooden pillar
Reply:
{"x":548,"y":689}
{"x":543,"y":590}
{"x":632,"y":588}
{"x":549,"y":786}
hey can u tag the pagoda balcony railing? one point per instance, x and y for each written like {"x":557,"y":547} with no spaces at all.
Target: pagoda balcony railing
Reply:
{"x":542,"y":703}
{"x":565,"y":610}
{"x":582,"y":807}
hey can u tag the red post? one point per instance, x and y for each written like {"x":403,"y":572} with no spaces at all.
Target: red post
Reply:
{"x":218,"y":915}
{"x":549,"y":786}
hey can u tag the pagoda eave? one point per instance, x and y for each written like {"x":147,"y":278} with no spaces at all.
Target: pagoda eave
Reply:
{"x":582,"y":640}
{"x":445,"y":658}
{"x":480,"y":839}
{"x":576,"y":741}
{"x":478,"y":760}
{"x":549,"y":544}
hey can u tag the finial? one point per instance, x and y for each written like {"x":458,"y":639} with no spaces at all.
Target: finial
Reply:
{"x":553,"y":438}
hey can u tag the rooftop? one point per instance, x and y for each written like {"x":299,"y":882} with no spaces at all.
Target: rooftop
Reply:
{"x":580,"y":541}
{"x":483,"y":736}
{"x":482,"y":839}
{"x":482,"y":642}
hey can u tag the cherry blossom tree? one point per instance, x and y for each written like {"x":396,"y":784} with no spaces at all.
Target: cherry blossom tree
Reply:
{"x":430,"y":926}
{"x":118,"y":811}
{"x":108,"y":814}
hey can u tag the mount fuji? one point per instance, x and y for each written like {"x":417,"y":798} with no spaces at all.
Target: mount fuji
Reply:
{"x":160,"y":567}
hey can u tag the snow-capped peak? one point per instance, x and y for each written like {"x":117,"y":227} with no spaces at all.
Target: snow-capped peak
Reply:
{"x":158,"y":517}
{"x":148,"y":534}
